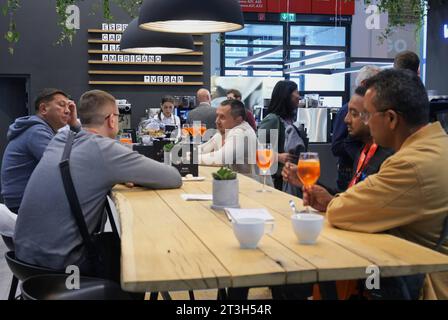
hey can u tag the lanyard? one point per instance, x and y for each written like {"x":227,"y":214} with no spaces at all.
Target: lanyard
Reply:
{"x":367,"y":154}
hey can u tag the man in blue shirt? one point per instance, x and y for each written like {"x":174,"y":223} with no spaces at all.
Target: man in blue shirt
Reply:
{"x":28,"y":138}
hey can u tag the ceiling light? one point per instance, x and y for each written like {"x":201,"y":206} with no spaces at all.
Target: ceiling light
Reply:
{"x":191,"y":16}
{"x":136,"y":40}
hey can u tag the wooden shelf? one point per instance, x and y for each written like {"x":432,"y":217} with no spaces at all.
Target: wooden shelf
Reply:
{"x":103,"y":31}
{"x":141,"y":83}
{"x":196,"y":53}
{"x":127,"y":73}
{"x":102,"y":41}
{"x":196,"y":43}
{"x":115,"y":31}
{"x":163,"y":63}
{"x":162,"y":73}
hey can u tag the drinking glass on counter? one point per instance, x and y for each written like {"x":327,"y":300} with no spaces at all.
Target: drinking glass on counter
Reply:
{"x":203,"y":128}
{"x":198,"y":129}
{"x":185,"y":131}
{"x":125,"y":138}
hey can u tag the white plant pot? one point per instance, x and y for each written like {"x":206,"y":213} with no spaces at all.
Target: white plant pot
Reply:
{"x":167,"y":158}
{"x":225,"y":194}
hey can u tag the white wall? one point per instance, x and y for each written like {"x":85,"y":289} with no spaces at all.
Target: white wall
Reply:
{"x":365,"y":42}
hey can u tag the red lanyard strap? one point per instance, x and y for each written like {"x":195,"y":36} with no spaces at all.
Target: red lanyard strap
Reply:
{"x":367,"y":154}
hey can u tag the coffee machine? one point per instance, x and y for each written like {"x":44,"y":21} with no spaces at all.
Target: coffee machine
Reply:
{"x":124,"y":109}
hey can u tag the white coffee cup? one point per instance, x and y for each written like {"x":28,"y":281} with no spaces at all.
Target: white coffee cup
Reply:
{"x":249,"y":231}
{"x":307,"y":227}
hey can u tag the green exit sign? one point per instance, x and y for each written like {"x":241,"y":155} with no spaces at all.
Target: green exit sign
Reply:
{"x":287,"y":17}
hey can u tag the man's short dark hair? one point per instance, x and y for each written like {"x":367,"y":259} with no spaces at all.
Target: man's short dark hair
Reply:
{"x":361,"y":91}
{"x":91,"y":107}
{"x":236,"y":93}
{"x":237,"y":108}
{"x":46,"y":95}
{"x":403,"y":92}
{"x":407,"y":60}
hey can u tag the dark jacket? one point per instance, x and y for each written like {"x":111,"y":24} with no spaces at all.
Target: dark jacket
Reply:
{"x":251,"y":120}
{"x":345,"y":148}
{"x":273,"y":122}
{"x":372,"y":167}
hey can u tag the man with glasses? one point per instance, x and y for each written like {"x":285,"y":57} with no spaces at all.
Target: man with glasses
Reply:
{"x":370,"y":156}
{"x":409,"y":195}
{"x":46,"y":232}
{"x":27,"y":139}
{"x":343,"y":145}
{"x":368,"y":161}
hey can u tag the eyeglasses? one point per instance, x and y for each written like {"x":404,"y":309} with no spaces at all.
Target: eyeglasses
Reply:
{"x":354,"y":114}
{"x":366,"y":116}
{"x":112,"y":114}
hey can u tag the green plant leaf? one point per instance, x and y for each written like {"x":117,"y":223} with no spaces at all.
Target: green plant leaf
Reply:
{"x":168,"y":147}
{"x":8,"y":36}
{"x":224,"y":174}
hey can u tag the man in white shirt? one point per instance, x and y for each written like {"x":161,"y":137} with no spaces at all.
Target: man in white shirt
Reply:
{"x":235,"y":142}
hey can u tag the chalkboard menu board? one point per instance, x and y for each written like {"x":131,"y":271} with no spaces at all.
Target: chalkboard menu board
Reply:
{"x":110,"y":66}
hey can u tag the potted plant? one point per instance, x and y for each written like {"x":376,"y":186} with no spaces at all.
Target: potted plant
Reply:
{"x":225,"y":189}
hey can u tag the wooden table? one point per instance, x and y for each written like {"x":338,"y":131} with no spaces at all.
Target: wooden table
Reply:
{"x":169,"y":244}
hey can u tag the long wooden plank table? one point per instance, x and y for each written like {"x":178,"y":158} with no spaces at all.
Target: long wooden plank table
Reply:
{"x":169,"y":244}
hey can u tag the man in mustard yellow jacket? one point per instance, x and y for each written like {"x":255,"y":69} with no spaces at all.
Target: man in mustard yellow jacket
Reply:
{"x":408,"y":197}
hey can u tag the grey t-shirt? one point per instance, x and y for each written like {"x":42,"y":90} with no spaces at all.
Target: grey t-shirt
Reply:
{"x":46,"y":233}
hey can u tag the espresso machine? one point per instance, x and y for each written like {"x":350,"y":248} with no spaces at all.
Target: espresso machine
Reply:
{"x":124,"y":109}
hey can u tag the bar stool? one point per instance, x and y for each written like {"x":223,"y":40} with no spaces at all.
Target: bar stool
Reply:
{"x":21,"y":271}
{"x":53,"y":287}
{"x":14,"y":281}
{"x":50,"y":284}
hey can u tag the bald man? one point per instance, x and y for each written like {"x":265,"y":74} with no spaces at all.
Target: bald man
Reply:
{"x":204,"y":111}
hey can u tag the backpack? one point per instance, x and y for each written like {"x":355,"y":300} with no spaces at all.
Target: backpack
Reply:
{"x":296,"y":141}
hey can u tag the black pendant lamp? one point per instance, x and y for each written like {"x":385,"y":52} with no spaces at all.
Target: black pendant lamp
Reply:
{"x":139,"y":41}
{"x":191,"y":16}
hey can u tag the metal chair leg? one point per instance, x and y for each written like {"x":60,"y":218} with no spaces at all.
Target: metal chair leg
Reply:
{"x":222,"y":294}
{"x":165,"y":295}
{"x":153,"y":296}
{"x":13,"y":289}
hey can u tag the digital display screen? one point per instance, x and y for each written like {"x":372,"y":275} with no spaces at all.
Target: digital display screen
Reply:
{"x":183,"y":114}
